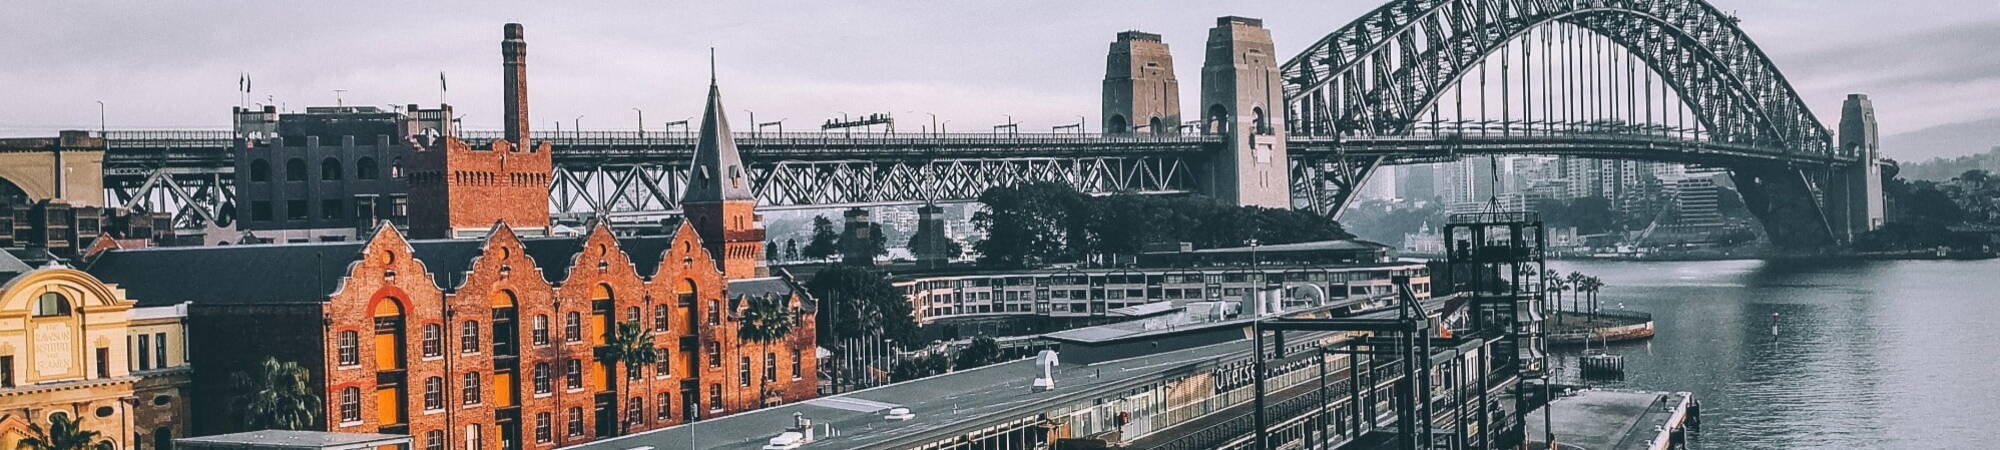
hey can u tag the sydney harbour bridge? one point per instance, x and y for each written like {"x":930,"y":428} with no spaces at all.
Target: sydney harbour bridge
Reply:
{"x":1412,"y":81}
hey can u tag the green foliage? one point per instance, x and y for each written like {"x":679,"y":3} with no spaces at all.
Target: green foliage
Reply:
{"x":279,"y":395}
{"x":766,"y":320}
{"x":631,"y":345}
{"x":921,"y":244}
{"x":824,"y":242}
{"x":1038,"y":224}
{"x":63,"y":433}
{"x":791,"y":249}
{"x":856,"y":303}
{"x":919,"y":367}
{"x":983,"y":350}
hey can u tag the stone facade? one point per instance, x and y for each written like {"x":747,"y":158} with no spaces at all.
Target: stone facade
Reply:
{"x":1243,"y":100}
{"x":1141,"y":94}
{"x":70,"y":345}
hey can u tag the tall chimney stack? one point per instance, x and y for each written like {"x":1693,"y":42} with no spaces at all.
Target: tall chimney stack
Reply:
{"x":514,"y":51}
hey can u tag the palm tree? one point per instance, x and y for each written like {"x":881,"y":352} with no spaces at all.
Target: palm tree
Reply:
{"x":1557,"y":285}
{"x":278,"y":395}
{"x":766,"y":319}
{"x":63,"y":434}
{"x":633,"y":346}
{"x":1596,"y":284}
{"x":1575,"y":281}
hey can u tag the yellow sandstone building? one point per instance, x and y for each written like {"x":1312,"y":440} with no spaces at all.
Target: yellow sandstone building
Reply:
{"x":73,"y":347}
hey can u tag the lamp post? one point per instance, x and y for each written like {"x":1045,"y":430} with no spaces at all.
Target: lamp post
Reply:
{"x":934,"y":122}
{"x":577,"y":124}
{"x":642,"y":122}
{"x":753,"y":122}
{"x":100,"y":121}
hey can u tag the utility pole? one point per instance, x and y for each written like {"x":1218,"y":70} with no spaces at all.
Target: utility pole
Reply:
{"x":642,"y":122}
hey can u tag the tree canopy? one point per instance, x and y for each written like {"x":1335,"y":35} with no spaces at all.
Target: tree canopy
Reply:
{"x":824,"y":240}
{"x":1036,"y":224}
{"x":855,"y":302}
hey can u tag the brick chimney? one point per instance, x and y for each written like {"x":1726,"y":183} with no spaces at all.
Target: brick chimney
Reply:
{"x":514,"y":51}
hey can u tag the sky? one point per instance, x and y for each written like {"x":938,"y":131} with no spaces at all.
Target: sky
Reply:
{"x":176,"y":64}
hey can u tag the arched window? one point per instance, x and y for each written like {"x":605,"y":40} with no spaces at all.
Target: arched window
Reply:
{"x":575,"y":427}
{"x":433,"y":393}
{"x":635,"y":411}
{"x":573,"y":374}
{"x":538,"y":331}
{"x":543,"y":384}
{"x":260,"y":170}
{"x":295,"y":169}
{"x":1158,"y":126}
{"x":1258,"y":122}
{"x":1116,"y":124}
{"x":51,"y":304}
{"x":542,"y":433}
{"x":348,"y":348}
{"x":163,"y":438}
{"x":350,"y":404}
{"x":660,"y":318}
{"x":364,"y":168}
{"x":1217,"y":120}
{"x":396,"y":167}
{"x":665,"y":407}
{"x":329,"y":169}
{"x":632,"y":314}
{"x":433,"y":340}
{"x":468,"y":337}
{"x":471,"y":387}
{"x":572,"y":327}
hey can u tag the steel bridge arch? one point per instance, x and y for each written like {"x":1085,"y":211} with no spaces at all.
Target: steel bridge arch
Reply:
{"x":1384,"y":69}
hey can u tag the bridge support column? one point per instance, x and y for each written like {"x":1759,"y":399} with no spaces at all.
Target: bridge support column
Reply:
{"x":1788,"y":204}
{"x":930,"y":245}
{"x":860,"y":238}
{"x":1243,"y":100}
{"x":1140,"y":93}
{"x":1854,"y":194}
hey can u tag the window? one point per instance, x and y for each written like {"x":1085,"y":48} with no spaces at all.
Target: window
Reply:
{"x":660,"y":318}
{"x":471,"y":389}
{"x":433,"y":340}
{"x":103,"y":362}
{"x":797,"y":368}
{"x":51,"y":304}
{"x":575,"y":422}
{"x":7,"y":371}
{"x":770,"y":367}
{"x":542,"y":383}
{"x":396,"y":167}
{"x":159,"y":350}
{"x":260,"y":170}
{"x":714,"y":355}
{"x":573,"y":375}
{"x":364,"y":168}
{"x":399,"y":206}
{"x":145,"y":347}
{"x":635,"y":411}
{"x":663,"y":367}
{"x":260,"y":210}
{"x":433,"y":393}
{"x":473,"y":440}
{"x":468,"y":337}
{"x":539,"y":332}
{"x":434,"y":440}
{"x":296,"y":210}
{"x":349,"y":350}
{"x":715,"y":396}
{"x":350,"y":404}
{"x":714,"y":312}
{"x":331,"y":209}
{"x":542,"y":434}
{"x":665,"y":412}
{"x":329,"y":169}
{"x":295,"y":169}
{"x":572,"y":327}
{"x":743,"y":371}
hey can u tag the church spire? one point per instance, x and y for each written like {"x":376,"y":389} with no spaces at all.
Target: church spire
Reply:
{"x":718,"y":173}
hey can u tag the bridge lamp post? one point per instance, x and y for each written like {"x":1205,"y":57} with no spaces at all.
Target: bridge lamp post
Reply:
{"x":934,"y":122}
{"x":642,"y":122}
{"x":100,"y":121}
{"x":577,"y":124}
{"x":941,"y":125}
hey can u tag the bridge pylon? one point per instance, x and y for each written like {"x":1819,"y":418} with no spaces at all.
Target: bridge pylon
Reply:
{"x":1854,"y":195}
{"x":1141,"y":95}
{"x":1243,"y":100}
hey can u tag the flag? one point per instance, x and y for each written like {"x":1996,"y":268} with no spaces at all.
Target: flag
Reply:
{"x":441,"y":84}
{"x":242,"y":82}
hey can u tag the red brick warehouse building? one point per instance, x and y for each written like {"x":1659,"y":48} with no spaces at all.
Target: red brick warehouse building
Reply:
{"x":496,"y":342}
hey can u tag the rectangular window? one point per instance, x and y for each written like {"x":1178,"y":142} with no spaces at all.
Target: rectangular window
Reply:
{"x":350,"y":404}
{"x":714,"y":355}
{"x":714,"y":312}
{"x":468,"y":338}
{"x":349,"y":350}
{"x":543,"y":384}
{"x":103,"y":362}
{"x":663,"y":367}
{"x":542,"y":432}
{"x":715,"y":396}
{"x":260,"y":210}
{"x":539,"y":332}
{"x":399,"y":206}
{"x":659,"y":317}
{"x":665,"y":412}
{"x":573,"y":375}
{"x":296,"y":210}
{"x":473,"y":441}
{"x":7,"y":371}
{"x":433,"y":343}
{"x":575,"y":422}
{"x":743,"y":371}
{"x":330,"y":209}
{"x":797,"y":368}
{"x":145,"y":349}
{"x":573,"y":327}
{"x":364,"y":208}
{"x":770,"y":367}
{"x":159,"y":350}
{"x":433,"y":393}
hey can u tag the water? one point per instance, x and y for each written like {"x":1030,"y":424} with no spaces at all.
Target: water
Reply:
{"x":1894,"y":354}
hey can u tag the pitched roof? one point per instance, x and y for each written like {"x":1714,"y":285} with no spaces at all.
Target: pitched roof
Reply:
{"x":717,"y":173}
{"x":309,"y":272}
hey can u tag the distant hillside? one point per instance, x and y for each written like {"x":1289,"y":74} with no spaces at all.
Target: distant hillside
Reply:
{"x":1943,"y":141}
{"x":1943,"y":169}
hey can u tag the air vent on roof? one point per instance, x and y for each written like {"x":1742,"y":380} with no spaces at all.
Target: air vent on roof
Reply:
{"x":786,"y":441}
{"x":899,"y":414}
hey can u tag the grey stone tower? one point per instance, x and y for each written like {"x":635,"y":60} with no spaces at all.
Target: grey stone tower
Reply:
{"x":1243,"y":100}
{"x":1140,"y":92}
{"x":1855,"y":203}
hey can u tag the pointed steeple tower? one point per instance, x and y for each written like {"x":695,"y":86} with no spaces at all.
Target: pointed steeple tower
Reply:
{"x":718,"y":202}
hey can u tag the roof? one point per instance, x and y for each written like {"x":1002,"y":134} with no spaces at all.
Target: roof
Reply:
{"x":11,"y":266}
{"x":755,"y":287}
{"x":294,"y":439}
{"x":717,"y":173}
{"x":1334,"y":245}
{"x":165,"y":276}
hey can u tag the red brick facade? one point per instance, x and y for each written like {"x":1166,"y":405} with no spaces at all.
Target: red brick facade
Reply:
{"x":387,"y":290}
{"x":457,"y":190}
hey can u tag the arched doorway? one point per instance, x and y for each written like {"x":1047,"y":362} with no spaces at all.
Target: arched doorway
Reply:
{"x":1217,"y":120}
{"x":1158,"y":126}
{"x":1116,"y":124}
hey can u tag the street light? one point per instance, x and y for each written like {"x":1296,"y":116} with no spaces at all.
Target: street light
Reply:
{"x":642,"y":122}
{"x":753,"y":122}
{"x":577,"y":124}
{"x":934,"y":122}
{"x":100,"y":122}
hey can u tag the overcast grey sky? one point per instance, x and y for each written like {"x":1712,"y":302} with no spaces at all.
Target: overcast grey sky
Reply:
{"x":175,"y":64}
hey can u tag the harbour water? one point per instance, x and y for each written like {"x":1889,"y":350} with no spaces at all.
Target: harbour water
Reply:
{"x":1877,"y":354}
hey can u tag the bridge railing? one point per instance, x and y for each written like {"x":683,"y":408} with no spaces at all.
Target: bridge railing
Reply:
{"x":634,"y":138}
{"x":168,"y":138}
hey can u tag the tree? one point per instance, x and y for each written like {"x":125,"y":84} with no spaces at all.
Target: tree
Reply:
{"x":1557,"y":285}
{"x":771,"y":251}
{"x":766,"y":319}
{"x":63,"y":433}
{"x":1029,"y":225}
{"x":983,"y":350}
{"x":633,"y":346}
{"x":1575,"y":282}
{"x":1591,"y":285}
{"x":791,"y":249}
{"x":278,"y":395}
{"x":857,"y":303}
{"x":825,"y":242}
